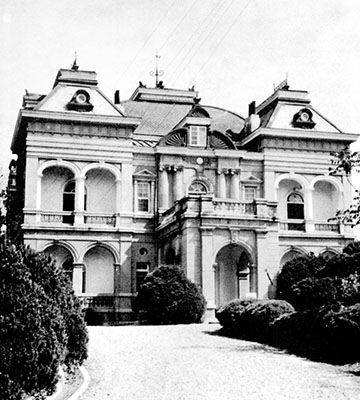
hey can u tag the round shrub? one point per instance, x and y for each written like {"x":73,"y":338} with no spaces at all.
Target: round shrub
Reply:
{"x":41,"y":324}
{"x":229,"y":313}
{"x":167,"y":296}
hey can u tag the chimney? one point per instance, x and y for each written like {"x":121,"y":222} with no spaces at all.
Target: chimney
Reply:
{"x":252,"y":107}
{"x":117,"y":97}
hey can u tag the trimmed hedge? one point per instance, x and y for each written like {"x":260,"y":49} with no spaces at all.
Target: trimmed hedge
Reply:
{"x":250,"y":319}
{"x":41,"y":324}
{"x":323,"y":335}
{"x":169,"y":297}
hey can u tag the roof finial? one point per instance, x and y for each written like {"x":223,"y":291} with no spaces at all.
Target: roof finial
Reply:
{"x":75,"y":67}
{"x":157,"y":72}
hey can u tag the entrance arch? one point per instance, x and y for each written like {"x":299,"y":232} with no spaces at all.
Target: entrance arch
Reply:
{"x":234,"y":274}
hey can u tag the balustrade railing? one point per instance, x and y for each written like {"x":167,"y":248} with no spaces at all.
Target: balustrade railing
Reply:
{"x":327,"y":227}
{"x":293,"y":225}
{"x":309,"y":226}
{"x":63,"y":217}
{"x":233,"y":207}
{"x":98,"y":301}
{"x":100,"y":219}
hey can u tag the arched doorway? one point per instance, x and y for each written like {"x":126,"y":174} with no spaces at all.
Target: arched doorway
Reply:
{"x":234,"y":274}
{"x":99,"y":271}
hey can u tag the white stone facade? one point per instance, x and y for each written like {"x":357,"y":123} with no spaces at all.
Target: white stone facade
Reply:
{"x":113,"y":190}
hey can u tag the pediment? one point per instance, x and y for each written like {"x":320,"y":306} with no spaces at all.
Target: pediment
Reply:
{"x":296,"y":116}
{"x":145,"y":173}
{"x":251,"y":179}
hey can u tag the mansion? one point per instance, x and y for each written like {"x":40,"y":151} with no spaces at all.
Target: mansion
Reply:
{"x":111,"y":189}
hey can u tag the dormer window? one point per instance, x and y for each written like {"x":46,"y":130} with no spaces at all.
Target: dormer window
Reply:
{"x":303,"y":119}
{"x":80,"y":101}
{"x":197,"y":136}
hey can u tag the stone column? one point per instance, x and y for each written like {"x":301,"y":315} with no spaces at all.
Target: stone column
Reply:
{"x":38,"y":199}
{"x":221,"y":184}
{"x":178,"y":183}
{"x":235,"y":189}
{"x":78,"y":269}
{"x":79,"y":200}
{"x":117,"y":274}
{"x":308,"y":210}
{"x":163,"y":188}
{"x":152,"y":197}
{"x":208,"y":276}
{"x":118,"y":201}
{"x":118,"y":196}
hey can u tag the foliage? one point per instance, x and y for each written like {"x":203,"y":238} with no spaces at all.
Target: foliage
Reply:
{"x":344,"y":162}
{"x":41,"y":324}
{"x":169,"y":297}
{"x":313,"y":292}
{"x":294,"y":271}
{"x":13,"y":217}
{"x":229,"y":313}
{"x":350,"y":289}
{"x":341,"y":266}
{"x":250,"y":319}
{"x":330,"y":335}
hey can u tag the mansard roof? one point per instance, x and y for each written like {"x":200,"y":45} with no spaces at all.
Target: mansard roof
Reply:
{"x":158,"y":119}
{"x":280,"y":109}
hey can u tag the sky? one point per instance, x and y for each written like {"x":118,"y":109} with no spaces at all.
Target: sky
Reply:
{"x":233,"y":51}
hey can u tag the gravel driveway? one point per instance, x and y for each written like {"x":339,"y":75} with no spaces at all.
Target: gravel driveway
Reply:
{"x":189,"y":362}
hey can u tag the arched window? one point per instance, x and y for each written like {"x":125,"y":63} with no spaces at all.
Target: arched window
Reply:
{"x":295,"y":210}
{"x":295,"y":206}
{"x":69,"y":201}
{"x":197,"y":188}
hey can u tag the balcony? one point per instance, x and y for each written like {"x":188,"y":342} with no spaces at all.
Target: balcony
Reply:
{"x":218,"y":208}
{"x":61,"y":218}
{"x":319,"y":227}
{"x":226,"y":207}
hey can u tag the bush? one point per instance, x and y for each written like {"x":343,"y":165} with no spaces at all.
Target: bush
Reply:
{"x":295,"y":271}
{"x":41,"y":324}
{"x":168,"y":297}
{"x":312,"y":293}
{"x":229,"y":313}
{"x":330,"y":335}
{"x":349,"y":289}
{"x":250,"y":319}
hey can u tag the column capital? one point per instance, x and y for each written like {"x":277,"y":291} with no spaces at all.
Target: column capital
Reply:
{"x":207,"y":230}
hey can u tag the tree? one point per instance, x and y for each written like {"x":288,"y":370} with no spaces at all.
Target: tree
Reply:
{"x":346,"y":162}
{"x":169,"y":297}
{"x":41,"y":324}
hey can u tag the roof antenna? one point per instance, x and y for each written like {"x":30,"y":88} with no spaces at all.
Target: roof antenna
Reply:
{"x":157,"y":72}
{"x":75,"y":67}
